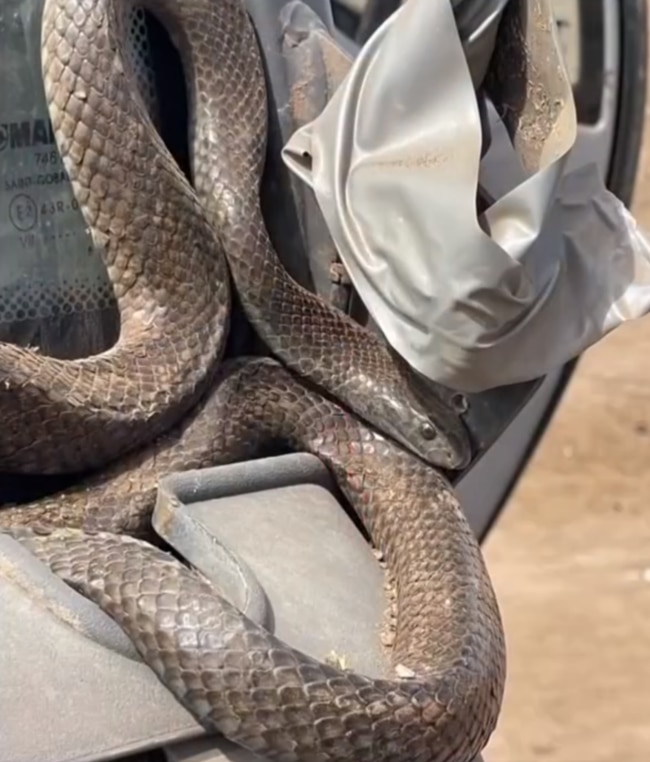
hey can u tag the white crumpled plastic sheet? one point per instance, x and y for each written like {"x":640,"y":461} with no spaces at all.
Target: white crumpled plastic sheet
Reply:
{"x":471,"y":301}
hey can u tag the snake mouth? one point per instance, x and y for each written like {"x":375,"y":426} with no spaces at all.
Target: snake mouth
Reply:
{"x":460,"y":456}
{"x":452,"y":455}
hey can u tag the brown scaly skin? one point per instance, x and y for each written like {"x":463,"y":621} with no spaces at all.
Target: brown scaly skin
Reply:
{"x":165,"y":260}
{"x":236,"y":677}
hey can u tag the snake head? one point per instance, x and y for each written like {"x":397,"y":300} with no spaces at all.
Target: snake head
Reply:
{"x":435,"y":433}
{"x":412,"y":413}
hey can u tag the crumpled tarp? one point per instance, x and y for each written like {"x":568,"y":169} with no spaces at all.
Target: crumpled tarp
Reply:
{"x":471,"y":300}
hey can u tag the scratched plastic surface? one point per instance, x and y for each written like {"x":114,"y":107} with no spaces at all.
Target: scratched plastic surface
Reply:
{"x":54,"y":289}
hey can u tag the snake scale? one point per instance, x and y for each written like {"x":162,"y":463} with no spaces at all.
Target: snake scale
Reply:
{"x":164,"y":400}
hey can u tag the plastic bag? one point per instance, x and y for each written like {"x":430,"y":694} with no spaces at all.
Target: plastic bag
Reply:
{"x":472,"y":301}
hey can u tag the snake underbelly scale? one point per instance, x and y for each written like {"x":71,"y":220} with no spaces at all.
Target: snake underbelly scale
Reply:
{"x":165,"y":382}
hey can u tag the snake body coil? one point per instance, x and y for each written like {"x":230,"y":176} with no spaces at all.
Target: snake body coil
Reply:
{"x":165,"y":261}
{"x":164,"y":380}
{"x":233,"y":675}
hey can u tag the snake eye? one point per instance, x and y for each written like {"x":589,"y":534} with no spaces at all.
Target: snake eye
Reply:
{"x":428,"y":431}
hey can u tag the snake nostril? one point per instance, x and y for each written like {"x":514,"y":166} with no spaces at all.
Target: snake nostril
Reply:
{"x":460,"y":402}
{"x":428,"y":431}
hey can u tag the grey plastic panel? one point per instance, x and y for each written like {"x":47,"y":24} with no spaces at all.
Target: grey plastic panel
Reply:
{"x":201,"y":750}
{"x":286,"y":535}
{"x":65,"y":696}
{"x":204,"y":750}
{"x":286,"y":527}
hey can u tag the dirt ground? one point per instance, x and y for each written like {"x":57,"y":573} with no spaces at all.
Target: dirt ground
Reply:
{"x":570,"y":561}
